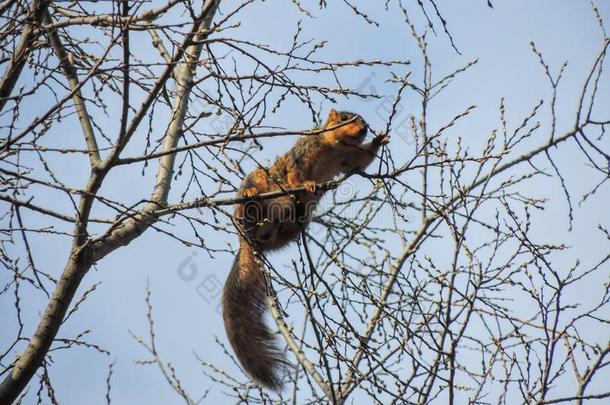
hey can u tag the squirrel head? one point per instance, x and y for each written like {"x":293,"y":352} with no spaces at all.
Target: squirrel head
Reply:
{"x":350,"y":128}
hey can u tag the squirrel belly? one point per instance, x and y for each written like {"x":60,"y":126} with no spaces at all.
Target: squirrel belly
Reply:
{"x":269,"y":224}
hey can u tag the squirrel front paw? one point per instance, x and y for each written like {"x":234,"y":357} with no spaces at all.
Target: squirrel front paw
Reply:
{"x":382,"y":139}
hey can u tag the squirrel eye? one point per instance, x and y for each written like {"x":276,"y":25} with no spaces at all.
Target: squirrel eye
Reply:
{"x":344,"y":117}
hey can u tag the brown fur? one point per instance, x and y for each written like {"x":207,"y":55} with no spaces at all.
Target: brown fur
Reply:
{"x":270,"y":224}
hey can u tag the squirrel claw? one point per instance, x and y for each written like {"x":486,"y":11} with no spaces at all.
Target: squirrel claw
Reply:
{"x":310,"y":186}
{"x":249,"y":192}
{"x":382,"y":139}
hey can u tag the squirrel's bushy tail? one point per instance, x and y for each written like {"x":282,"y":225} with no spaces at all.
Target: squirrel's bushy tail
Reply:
{"x":243,"y":309}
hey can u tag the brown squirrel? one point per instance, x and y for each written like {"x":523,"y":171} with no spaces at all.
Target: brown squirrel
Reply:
{"x":269,"y":224}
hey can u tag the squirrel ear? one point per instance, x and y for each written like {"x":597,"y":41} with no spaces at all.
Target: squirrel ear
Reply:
{"x":333,"y":115}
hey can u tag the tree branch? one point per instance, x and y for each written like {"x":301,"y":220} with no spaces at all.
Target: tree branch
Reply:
{"x":81,"y":109}
{"x":13,"y":71}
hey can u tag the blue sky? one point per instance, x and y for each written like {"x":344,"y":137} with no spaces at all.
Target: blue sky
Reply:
{"x":185,"y":311}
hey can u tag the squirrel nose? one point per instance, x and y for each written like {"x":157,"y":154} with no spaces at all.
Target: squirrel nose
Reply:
{"x":363,"y":131}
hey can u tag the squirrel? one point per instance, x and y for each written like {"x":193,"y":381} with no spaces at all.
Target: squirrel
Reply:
{"x":269,"y":224}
